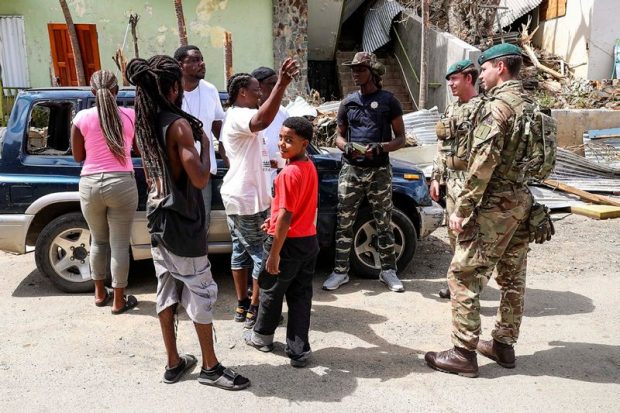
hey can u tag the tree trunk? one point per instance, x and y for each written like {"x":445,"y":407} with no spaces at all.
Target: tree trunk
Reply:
{"x":75,"y":45}
{"x":178,"y":8}
{"x":133,"y":21}
{"x":424,"y":54}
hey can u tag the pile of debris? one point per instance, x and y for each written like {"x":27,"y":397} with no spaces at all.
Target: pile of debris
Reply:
{"x":569,"y":92}
{"x":551,"y":80}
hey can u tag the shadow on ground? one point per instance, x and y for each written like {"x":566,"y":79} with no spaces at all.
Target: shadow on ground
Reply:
{"x":336,"y":370}
{"x":588,"y":362}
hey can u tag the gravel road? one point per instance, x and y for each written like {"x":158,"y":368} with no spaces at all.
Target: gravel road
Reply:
{"x":59,"y":352}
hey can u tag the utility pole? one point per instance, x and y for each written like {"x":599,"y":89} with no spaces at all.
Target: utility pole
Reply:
{"x":424,"y":54}
{"x":75,"y":45}
{"x":178,"y":8}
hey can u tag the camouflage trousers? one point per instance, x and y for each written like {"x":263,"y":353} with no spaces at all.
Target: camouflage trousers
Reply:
{"x":496,"y":236}
{"x":454,"y":185}
{"x":375,"y":184}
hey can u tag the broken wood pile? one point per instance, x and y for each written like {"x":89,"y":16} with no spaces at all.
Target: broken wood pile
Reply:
{"x":550,"y":79}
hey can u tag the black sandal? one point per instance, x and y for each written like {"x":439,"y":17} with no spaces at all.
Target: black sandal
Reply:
{"x":108,"y":296}
{"x":172,"y":375}
{"x":228,"y":379}
{"x":130,"y":302}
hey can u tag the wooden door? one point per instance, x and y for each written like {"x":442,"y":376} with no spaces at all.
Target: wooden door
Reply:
{"x":62,"y":54}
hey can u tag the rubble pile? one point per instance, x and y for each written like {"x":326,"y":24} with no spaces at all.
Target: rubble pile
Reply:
{"x":568,"y":92}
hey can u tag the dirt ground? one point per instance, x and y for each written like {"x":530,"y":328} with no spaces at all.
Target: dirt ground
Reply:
{"x":59,"y":352}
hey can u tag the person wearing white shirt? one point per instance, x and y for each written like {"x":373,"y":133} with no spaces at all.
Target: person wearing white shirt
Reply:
{"x":267,"y":78}
{"x":246,"y":187}
{"x":201,"y":100}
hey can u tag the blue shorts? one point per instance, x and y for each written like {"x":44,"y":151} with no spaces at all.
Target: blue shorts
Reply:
{"x":247,"y":241}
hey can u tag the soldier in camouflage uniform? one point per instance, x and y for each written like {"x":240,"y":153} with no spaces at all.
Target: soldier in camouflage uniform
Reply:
{"x":366,"y":120}
{"x":490,"y":218}
{"x":454,"y":133}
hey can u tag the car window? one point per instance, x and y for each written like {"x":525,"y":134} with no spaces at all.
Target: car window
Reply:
{"x":49,"y":128}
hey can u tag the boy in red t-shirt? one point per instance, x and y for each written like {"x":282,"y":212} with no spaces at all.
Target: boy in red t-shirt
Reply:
{"x":291,"y":248}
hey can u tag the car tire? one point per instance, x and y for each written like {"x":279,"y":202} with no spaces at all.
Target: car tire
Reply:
{"x":62,"y":253}
{"x":364,"y":257}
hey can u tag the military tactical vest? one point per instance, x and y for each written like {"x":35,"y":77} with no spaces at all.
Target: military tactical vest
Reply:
{"x":454,"y":134}
{"x":530,"y":151}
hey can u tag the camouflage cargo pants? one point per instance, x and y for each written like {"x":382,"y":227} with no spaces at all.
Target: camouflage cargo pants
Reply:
{"x":355,"y":183}
{"x":495,"y":237}
{"x":454,"y":185}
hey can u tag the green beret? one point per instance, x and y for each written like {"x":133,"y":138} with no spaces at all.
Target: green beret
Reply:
{"x":458,"y":67}
{"x":500,"y":50}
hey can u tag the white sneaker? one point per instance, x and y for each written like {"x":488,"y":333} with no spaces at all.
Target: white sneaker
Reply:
{"x":335,"y":280}
{"x":389,"y":278}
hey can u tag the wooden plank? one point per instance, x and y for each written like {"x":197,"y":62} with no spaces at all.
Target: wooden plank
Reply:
{"x":597,"y":211}
{"x":590,"y":197}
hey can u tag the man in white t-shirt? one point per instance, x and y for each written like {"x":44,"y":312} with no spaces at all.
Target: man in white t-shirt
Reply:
{"x":246,"y":188}
{"x":201,"y":100}
{"x":267,"y":78}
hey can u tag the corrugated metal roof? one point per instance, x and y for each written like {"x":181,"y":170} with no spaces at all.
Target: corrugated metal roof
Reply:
{"x":378,"y":24}
{"x":515,"y":9}
{"x":13,"y":52}
{"x":421,"y":124}
{"x":603,"y":146}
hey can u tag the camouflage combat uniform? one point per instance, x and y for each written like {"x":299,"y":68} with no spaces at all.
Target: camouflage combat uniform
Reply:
{"x":368,"y":119}
{"x":450,"y":164}
{"x":495,"y":203}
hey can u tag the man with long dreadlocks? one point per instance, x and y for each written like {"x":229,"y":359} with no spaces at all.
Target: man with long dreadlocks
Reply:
{"x":246,"y":188}
{"x":176,"y":215}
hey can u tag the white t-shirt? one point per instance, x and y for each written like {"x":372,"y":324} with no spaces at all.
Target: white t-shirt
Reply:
{"x":246,"y":186}
{"x":272,"y":133}
{"x":204,"y":103}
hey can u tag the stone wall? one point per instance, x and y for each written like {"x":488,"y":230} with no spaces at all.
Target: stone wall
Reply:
{"x":290,"y":39}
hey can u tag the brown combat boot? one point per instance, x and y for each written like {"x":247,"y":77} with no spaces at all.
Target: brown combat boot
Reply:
{"x":456,"y":361}
{"x":502,"y":354}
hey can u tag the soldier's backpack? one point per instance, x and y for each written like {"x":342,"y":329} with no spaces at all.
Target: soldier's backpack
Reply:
{"x":540,"y":131}
{"x":536,"y":151}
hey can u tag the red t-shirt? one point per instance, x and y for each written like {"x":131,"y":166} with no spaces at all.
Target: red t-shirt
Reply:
{"x":296,"y":190}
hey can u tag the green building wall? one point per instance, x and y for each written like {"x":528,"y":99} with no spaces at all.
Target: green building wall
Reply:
{"x":249,"y":21}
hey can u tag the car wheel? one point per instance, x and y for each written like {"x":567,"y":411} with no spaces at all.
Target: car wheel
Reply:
{"x":364,"y":258}
{"x":62,"y":253}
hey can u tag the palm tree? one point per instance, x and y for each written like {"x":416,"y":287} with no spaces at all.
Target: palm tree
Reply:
{"x":75,"y":45}
{"x":178,"y":8}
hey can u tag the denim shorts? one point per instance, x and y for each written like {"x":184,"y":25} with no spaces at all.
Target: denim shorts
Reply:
{"x":247,"y":241}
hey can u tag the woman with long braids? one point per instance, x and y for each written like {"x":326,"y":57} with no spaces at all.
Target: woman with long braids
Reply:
{"x":176,"y":215}
{"x":102,"y":137}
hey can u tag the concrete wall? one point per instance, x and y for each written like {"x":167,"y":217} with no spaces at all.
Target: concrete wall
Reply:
{"x":572,"y":123}
{"x":323,"y":26}
{"x":444,"y":50}
{"x":585,"y":36}
{"x":249,"y":21}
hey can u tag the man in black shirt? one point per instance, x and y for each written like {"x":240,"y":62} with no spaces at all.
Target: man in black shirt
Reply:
{"x":176,"y":173}
{"x":366,"y":120}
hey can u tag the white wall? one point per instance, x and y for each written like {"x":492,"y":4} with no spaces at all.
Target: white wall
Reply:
{"x":585,"y":36}
{"x":604,"y":31}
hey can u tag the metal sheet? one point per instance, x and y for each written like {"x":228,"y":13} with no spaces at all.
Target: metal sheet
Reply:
{"x":554,"y":199}
{"x":515,"y":9}
{"x":421,"y":124}
{"x":378,"y":24}
{"x":13,"y":53}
